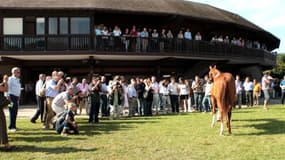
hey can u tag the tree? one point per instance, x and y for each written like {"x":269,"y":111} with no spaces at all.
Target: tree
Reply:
{"x":279,"y":70}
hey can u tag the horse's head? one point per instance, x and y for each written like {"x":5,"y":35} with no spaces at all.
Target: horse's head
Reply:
{"x":213,"y":73}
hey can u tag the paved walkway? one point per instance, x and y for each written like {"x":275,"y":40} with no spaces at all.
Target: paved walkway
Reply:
{"x":27,"y":111}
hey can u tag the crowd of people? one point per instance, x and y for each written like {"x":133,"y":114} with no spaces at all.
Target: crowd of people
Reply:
{"x":60,"y":98}
{"x":153,"y":39}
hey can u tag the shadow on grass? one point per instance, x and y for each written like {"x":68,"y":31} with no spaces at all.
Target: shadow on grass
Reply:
{"x":50,"y":138}
{"x":266,"y":126}
{"x":108,"y":127}
{"x":55,"y":150}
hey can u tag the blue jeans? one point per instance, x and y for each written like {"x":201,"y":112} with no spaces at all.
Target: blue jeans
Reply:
{"x":13,"y":111}
{"x":198,"y":101}
{"x":207,"y":105}
{"x":64,"y":124}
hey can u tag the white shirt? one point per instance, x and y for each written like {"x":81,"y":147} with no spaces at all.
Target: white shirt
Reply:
{"x":39,"y":86}
{"x":104,"y":89}
{"x":164,"y":90}
{"x":173,"y":88}
{"x":14,"y":86}
{"x":117,"y":33}
{"x":208,"y":88}
{"x":264,"y":84}
{"x":59,"y":100}
{"x":183,"y":89}
{"x":132,"y":93}
{"x":155,"y":87}
{"x":248,"y":86}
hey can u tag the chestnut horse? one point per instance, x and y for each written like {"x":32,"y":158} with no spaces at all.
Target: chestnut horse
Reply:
{"x":222,"y":97}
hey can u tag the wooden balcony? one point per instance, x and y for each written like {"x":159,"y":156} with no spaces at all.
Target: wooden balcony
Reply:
{"x":81,"y":44}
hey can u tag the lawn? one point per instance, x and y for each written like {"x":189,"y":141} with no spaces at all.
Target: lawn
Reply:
{"x":257,"y":134}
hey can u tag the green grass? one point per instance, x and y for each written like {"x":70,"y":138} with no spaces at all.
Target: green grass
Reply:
{"x":257,"y":134}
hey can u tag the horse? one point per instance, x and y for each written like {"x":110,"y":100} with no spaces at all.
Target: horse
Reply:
{"x":222,"y":96}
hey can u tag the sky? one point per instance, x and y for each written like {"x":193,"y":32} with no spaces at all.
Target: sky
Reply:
{"x":267,"y":14}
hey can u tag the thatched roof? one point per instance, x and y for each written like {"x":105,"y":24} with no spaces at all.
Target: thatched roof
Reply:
{"x":177,"y":7}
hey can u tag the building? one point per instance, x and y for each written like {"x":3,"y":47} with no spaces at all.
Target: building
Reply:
{"x":40,"y":36}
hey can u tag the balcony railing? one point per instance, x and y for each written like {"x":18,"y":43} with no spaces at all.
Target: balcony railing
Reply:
{"x":105,"y":44}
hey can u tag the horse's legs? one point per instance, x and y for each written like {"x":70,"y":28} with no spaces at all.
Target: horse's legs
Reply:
{"x":213,"y":111}
{"x":222,"y":125}
{"x":213,"y":120}
{"x":229,"y":122}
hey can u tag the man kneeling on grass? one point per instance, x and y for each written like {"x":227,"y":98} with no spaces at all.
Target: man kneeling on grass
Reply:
{"x":65,"y":122}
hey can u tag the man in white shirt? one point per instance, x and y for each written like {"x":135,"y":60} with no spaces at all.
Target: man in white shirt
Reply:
{"x":248,"y":88}
{"x":14,"y":92}
{"x":164,"y":92}
{"x":40,"y":99}
{"x":132,"y":98}
{"x":155,"y":87}
{"x":62,"y":99}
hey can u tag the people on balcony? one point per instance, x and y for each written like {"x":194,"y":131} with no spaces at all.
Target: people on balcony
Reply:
{"x":162,"y":40}
{"x":117,"y":38}
{"x":198,"y":36}
{"x":126,"y":39}
{"x":154,"y":40}
{"x":179,"y":42}
{"x":144,"y":35}
{"x":150,"y":39}
{"x":188,"y":38}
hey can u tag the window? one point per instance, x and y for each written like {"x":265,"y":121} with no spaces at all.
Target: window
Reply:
{"x":63,"y":25}
{"x":40,"y":26}
{"x":52,"y":25}
{"x":80,"y":25}
{"x":13,"y":26}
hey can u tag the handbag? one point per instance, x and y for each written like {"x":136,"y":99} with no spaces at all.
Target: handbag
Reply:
{"x":3,"y":101}
{"x":42,"y":92}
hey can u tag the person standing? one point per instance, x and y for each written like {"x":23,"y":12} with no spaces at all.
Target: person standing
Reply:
{"x":197,"y":87}
{"x":174,"y":92}
{"x":52,"y":90}
{"x":132,"y":97}
{"x":155,"y":88}
{"x":83,"y":98}
{"x":256,"y":92}
{"x":148,"y":96}
{"x":103,"y":94}
{"x":14,"y":92}
{"x":95,"y":87}
{"x":207,"y":105}
{"x":40,"y":99}
{"x":3,"y":129}
{"x":238,"y":85}
{"x":184,"y":91}
{"x":116,"y":97}
{"x":265,"y":83}
{"x":282,"y":86}
{"x":140,"y":87}
{"x":248,"y":88}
